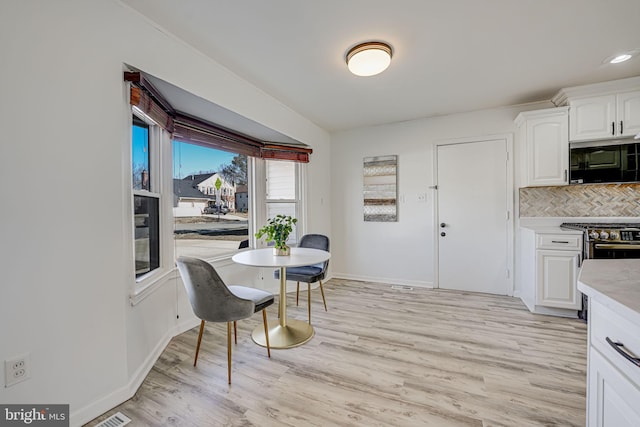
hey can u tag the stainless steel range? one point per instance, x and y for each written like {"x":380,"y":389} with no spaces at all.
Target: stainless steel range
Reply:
{"x":607,"y":241}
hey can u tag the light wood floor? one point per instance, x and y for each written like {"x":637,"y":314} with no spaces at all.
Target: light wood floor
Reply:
{"x":380,"y":357}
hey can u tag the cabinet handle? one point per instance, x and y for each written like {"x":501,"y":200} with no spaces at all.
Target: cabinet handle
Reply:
{"x":619,"y":347}
{"x":565,"y":175}
{"x":613,"y":128}
{"x":621,"y":128}
{"x":560,"y":241}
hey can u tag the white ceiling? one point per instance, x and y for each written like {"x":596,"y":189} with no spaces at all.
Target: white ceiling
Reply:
{"x":449,"y":55}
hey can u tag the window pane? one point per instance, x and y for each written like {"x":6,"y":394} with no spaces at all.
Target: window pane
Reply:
{"x":147,"y":234}
{"x":140,"y":154}
{"x":210,"y":206}
{"x":274,"y":209}
{"x":281,"y":180}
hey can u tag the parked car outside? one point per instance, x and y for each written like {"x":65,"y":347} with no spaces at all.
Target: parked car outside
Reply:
{"x":214,"y":210}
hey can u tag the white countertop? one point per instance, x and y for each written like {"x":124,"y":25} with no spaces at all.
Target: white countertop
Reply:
{"x":550,"y":229}
{"x":613,"y":282}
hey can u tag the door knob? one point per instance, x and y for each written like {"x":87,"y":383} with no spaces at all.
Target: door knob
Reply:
{"x":443,"y":234}
{"x":443,"y":225}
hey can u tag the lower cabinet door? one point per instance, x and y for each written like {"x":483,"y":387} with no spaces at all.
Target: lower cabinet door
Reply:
{"x":613,"y":400}
{"x":557,"y":279}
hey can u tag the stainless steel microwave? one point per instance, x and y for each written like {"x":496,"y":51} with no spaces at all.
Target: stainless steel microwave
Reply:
{"x":599,"y":162}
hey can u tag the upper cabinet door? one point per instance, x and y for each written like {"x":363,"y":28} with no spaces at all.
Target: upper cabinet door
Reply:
{"x":545,"y":137}
{"x":628,"y":122}
{"x":592,"y":118}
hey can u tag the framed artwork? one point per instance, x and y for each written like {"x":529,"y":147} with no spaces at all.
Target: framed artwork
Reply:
{"x":380,"y":188}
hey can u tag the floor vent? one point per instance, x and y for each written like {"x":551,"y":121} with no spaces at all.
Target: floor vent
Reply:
{"x":115,"y":420}
{"x":401,"y":288}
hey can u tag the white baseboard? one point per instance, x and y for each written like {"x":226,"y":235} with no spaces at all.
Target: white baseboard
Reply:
{"x":386,"y":280}
{"x":115,"y":398}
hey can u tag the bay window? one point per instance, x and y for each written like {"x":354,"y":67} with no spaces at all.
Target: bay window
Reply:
{"x":221,"y":187}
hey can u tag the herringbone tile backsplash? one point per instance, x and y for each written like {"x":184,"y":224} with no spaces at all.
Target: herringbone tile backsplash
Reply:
{"x":598,"y":200}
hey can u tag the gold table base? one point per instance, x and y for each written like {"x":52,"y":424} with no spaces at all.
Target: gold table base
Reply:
{"x":295,"y":333}
{"x":287,"y":333}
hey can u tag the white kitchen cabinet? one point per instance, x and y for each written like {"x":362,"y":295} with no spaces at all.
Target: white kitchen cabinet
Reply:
{"x":628,"y":108}
{"x":604,"y":117}
{"x":613,"y":384}
{"x":550,"y":264}
{"x":556,"y":279}
{"x":613,"y":399}
{"x":544,"y":136}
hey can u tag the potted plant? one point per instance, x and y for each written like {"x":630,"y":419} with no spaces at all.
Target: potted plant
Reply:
{"x":277,"y":230}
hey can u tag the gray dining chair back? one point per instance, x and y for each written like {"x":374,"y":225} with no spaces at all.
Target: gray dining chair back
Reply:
{"x":213,"y":301}
{"x":309,"y":273}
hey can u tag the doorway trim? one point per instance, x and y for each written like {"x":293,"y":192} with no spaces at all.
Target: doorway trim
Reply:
{"x":508,"y":138}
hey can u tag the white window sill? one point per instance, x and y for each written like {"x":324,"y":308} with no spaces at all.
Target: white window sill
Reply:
{"x":151,"y":282}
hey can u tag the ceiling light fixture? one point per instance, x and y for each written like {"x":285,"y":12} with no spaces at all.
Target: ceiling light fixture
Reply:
{"x":369,"y":59}
{"x":620,"y":58}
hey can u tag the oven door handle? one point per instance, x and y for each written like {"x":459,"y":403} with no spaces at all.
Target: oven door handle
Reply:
{"x":613,"y":246}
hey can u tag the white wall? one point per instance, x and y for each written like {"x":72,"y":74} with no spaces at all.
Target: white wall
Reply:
{"x":400,"y":252}
{"x":68,"y":266}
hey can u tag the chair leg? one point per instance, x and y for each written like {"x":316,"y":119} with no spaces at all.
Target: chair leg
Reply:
{"x":229,"y":351}
{"x":235,"y":332}
{"x":266,"y":330}
{"x":309,"y":300}
{"x":297,"y":292}
{"x":323,"y":300}
{"x":199,"y":339}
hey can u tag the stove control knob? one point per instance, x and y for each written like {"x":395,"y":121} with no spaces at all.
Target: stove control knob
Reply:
{"x":614,"y":235}
{"x":604,"y":235}
{"x":594,"y":235}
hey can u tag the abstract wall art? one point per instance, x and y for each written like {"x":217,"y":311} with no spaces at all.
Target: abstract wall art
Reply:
{"x":380,"y":188}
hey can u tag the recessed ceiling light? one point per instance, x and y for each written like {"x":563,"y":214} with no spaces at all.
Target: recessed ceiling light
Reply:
{"x":620,"y":58}
{"x":369,"y":59}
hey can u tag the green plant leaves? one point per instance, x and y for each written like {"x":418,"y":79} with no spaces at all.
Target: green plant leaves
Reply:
{"x":277,"y":230}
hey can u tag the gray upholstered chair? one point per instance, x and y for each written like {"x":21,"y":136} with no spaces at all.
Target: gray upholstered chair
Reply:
{"x":213,"y":301}
{"x":309,"y":273}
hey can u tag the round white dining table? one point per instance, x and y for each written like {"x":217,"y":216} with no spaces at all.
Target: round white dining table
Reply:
{"x":287,"y":333}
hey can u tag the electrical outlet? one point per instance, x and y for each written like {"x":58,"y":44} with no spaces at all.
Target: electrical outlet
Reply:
{"x":16,"y":370}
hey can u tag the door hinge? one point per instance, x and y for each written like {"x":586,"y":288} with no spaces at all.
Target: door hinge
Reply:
{"x":508,"y":273}
{"x":508,"y":215}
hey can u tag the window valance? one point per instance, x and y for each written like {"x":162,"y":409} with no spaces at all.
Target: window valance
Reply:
{"x":197,"y":131}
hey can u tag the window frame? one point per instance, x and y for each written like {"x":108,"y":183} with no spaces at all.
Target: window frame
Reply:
{"x":259,"y":199}
{"x":159,"y":156}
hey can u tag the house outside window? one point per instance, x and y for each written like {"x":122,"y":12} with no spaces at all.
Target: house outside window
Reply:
{"x":214,"y":210}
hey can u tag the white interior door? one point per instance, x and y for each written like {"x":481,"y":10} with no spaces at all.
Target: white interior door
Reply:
{"x":473,"y":217}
